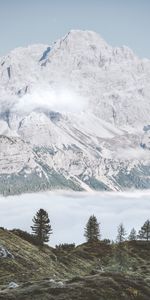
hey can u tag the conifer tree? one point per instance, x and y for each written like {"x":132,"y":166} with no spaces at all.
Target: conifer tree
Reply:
{"x":121,"y":236}
{"x":144,"y":232}
{"x":121,"y":256}
{"x":92,"y":230}
{"x":41,"y":226}
{"x":120,"y":248}
{"x":132,"y":236}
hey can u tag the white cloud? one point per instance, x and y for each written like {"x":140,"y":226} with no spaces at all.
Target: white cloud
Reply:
{"x":70,"y":212}
{"x":44,"y":98}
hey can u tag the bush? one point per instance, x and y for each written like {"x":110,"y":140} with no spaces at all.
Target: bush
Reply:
{"x":2,"y":228}
{"x":106,"y":241}
{"x":65,"y":247}
{"x":26,"y":236}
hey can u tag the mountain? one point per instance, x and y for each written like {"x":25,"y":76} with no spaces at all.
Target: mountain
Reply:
{"x":74,"y":115}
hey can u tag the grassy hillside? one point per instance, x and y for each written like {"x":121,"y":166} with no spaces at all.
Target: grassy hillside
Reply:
{"x":32,"y":262}
{"x":90,"y":271}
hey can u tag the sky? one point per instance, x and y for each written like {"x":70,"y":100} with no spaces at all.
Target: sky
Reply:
{"x":119,"y":22}
{"x":69,"y":212}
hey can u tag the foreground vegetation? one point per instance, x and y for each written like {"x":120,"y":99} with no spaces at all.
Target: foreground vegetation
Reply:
{"x":95,"y":270}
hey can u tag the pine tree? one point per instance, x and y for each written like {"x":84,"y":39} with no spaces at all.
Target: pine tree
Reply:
{"x":132,"y":236}
{"x":144,"y":232}
{"x":41,"y":226}
{"x":121,"y":236}
{"x":120,"y":249}
{"x":92,"y":230}
{"x":121,"y":256}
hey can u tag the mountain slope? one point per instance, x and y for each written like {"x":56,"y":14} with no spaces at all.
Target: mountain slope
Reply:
{"x":88,"y":271}
{"x":78,"y":114}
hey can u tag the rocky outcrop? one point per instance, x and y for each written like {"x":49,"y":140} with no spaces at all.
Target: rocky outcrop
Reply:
{"x":4,"y":253}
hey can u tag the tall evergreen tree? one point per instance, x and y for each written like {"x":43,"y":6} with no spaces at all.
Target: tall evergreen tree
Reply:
{"x":144,"y":232}
{"x":132,"y":236}
{"x":41,"y":226}
{"x":121,"y":236}
{"x":92,"y":229}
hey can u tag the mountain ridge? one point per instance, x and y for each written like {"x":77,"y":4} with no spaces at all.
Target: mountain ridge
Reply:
{"x":78,"y":110}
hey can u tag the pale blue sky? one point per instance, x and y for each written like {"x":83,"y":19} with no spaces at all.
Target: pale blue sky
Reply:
{"x":119,"y":22}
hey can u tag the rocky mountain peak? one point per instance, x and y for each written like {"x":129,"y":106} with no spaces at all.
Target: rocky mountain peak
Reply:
{"x":77,"y":109}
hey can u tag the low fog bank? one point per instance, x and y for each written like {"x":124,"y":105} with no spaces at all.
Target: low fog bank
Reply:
{"x":69,"y":212}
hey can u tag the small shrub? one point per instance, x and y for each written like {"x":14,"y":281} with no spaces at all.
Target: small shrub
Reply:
{"x":65,"y":247}
{"x":106,"y":241}
{"x":133,"y":292}
{"x":2,"y":228}
{"x":26,"y":236}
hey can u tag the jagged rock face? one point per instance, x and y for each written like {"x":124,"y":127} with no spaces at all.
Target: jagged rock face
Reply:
{"x":78,"y":114}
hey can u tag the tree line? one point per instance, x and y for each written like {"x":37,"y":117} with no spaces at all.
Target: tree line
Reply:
{"x":42,"y":230}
